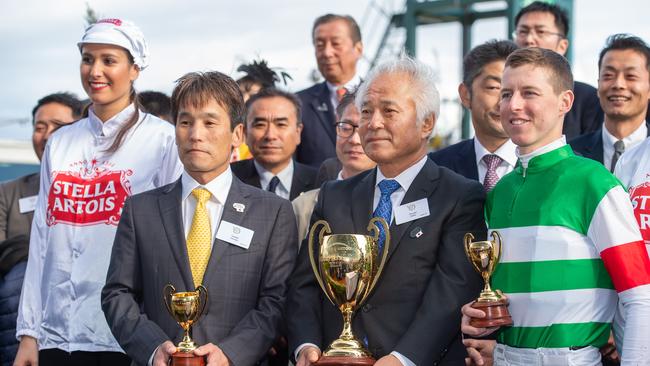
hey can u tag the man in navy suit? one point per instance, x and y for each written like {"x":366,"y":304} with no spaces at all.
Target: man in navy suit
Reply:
{"x":272,"y":131}
{"x":623,"y":89}
{"x":546,"y":26}
{"x":338,"y":47}
{"x":490,"y":154}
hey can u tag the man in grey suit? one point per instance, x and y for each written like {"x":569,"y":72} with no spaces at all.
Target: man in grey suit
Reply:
{"x":167,"y":235}
{"x":17,"y":200}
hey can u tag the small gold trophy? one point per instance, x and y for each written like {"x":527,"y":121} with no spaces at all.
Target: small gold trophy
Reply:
{"x":186,"y":308}
{"x":347,"y":270}
{"x":484,"y":256}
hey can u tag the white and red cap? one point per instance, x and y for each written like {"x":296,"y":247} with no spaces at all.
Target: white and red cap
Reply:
{"x":121,"y":33}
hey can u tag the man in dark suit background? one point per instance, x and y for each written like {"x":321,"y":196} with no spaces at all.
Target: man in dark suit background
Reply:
{"x":244,"y":266}
{"x":546,"y":25}
{"x":338,"y":47}
{"x":17,"y":201}
{"x":409,"y":318}
{"x":490,"y":154}
{"x":272,"y":132}
{"x":623,"y":86}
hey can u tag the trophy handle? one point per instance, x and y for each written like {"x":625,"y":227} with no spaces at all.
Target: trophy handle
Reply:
{"x":202,"y":290}
{"x":373,"y":228}
{"x":467,"y":239}
{"x":324,"y":230}
{"x":498,"y":243}
{"x":168,"y":290}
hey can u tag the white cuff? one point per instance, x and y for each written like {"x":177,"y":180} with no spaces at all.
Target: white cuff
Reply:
{"x":403,"y":359}
{"x":297,"y":352}
{"x":150,"y":363}
{"x":26,"y":332}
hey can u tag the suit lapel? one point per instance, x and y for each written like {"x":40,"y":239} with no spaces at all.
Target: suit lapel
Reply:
{"x":422,"y":187}
{"x":466,"y":161}
{"x":361,"y":202}
{"x":252,"y":177}
{"x":324,"y":110}
{"x":172,"y":218}
{"x":231,"y":215}
{"x":597,"y":146}
{"x":298,"y":183}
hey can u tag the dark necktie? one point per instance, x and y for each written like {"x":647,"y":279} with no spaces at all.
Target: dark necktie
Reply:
{"x":619,"y":149}
{"x":273,"y":184}
{"x":385,"y":206}
{"x":491,"y":178}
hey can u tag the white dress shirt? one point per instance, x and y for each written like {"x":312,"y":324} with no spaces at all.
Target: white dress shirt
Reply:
{"x":630,"y":141}
{"x":507,"y":153}
{"x":219,"y":187}
{"x":349,"y":86}
{"x":286,"y":176}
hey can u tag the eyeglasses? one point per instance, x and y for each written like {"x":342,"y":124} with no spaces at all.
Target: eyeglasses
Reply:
{"x":345,"y":129}
{"x":539,"y":34}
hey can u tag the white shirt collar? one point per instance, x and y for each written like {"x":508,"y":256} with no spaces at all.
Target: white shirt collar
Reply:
{"x":634,"y":138}
{"x":525,"y":158}
{"x":219,"y":186}
{"x":113,"y":124}
{"x":507,"y":152}
{"x":405,"y":178}
{"x":285,"y":176}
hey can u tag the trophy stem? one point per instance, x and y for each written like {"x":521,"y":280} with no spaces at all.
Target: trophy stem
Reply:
{"x":346,"y":333}
{"x":186,"y":345}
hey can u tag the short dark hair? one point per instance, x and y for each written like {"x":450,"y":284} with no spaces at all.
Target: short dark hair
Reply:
{"x":346,"y":101}
{"x":156,"y":103}
{"x":624,"y":41}
{"x":481,"y":55}
{"x":273,"y":93}
{"x":353,"y":27}
{"x":559,"y":69}
{"x":197,"y":88}
{"x":64,"y":98}
{"x":561,"y":17}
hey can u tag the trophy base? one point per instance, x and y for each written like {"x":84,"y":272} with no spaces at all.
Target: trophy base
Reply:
{"x":186,"y":359}
{"x":345,"y":361}
{"x":496,"y":314}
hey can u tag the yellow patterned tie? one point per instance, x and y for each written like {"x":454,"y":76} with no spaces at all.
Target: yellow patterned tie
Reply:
{"x":199,"y":240}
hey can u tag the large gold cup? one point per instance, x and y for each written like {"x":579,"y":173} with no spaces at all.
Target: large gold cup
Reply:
{"x":347,"y":270}
{"x":484,"y":256}
{"x":186,"y":308}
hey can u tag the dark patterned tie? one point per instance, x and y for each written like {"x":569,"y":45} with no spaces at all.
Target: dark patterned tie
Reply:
{"x":273,"y":184}
{"x":491,"y":178}
{"x":385,"y":207}
{"x":619,"y":149}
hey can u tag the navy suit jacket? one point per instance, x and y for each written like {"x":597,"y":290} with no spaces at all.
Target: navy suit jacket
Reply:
{"x":459,"y":157}
{"x":318,"y":139}
{"x":586,"y":115}
{"x":591,"y":145}
{"x":304,"y":176}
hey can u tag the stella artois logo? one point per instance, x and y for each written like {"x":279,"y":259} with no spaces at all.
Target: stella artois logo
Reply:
{"x":90,"y":193}
{"x":640,"y":196}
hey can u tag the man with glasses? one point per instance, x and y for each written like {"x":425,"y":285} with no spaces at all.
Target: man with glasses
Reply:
{"x":546,"y":25}
{"x":348,"y":151}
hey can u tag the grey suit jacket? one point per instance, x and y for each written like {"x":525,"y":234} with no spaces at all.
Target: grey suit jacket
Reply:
{"x":246,"y":287}
{"x":12,"y":222}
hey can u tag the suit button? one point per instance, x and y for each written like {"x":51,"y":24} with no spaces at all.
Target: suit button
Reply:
{"x":366,"y":308}
{"x":435,"y":363}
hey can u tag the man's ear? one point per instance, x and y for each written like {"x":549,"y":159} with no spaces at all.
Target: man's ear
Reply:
{"x":427,"y":125}
{"x":566,"y":101}
{"x":237,"y":135}
{"x":465,"y":95}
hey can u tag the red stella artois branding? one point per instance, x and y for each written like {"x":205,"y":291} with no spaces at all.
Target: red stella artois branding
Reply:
{"x":640,"y":196}
{"x":91,"y":193}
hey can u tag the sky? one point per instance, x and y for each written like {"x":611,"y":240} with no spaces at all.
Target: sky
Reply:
{"x":41,"y":57}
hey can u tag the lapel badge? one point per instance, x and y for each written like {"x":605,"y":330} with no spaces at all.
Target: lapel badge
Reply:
{"x":322,"y":107}
{"x":239,"y":207}
{"x":416,"y":233}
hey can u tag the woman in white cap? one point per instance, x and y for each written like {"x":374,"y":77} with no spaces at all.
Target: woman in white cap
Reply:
{"x":88,"y":169}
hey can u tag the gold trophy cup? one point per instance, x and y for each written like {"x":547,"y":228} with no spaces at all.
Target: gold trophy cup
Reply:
{"x":484,"y":256}
{"x":186,"y":308}
{"x":347,"y":270}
